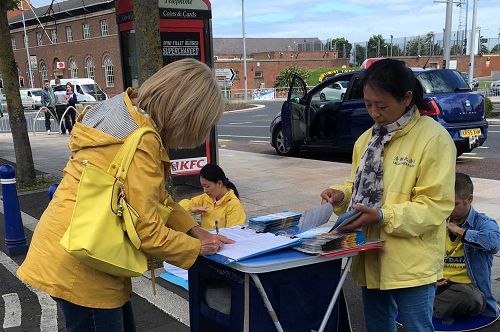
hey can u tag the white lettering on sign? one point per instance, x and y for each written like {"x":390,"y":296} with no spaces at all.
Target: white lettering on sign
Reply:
{"x":188,"y":166}
{"x":183,"y":4}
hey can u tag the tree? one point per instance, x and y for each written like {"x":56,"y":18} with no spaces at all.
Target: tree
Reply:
{"x":147,"y":38}
{"x":341,"y":45}
{"x":496,"y":49}
{"x":484,"y":48}
{"x":360,"y":54}
{"x":376,"y":45}
{"x":22,"y":148}
{"x":284,"y":79}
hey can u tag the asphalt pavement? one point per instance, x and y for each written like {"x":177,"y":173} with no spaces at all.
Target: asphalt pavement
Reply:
{"x":267,"y":183}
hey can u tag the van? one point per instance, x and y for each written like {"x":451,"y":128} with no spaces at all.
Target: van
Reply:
{"x":86,"y":89}
{"x":27,"y":99}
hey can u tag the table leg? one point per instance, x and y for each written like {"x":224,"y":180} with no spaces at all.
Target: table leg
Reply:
{"x":246,"y":313}
{"x":335,"y":295}
{"x":267,"y":303}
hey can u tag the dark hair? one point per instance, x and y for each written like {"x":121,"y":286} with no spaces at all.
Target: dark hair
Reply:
{"x":214,"y":173}
{"x":46,"y":81}
{"x":395,"y":78}
{"x":463,"y":185}
{"x":71,"y":85}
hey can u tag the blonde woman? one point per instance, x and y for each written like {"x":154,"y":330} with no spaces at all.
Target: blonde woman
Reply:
{"x":182,"y":102}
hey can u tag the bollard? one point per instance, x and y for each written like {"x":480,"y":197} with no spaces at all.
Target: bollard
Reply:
{"x":15,"y":239}
{"x":52,"y":190}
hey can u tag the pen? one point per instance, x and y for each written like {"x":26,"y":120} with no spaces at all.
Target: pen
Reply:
{"x":216,"y":227}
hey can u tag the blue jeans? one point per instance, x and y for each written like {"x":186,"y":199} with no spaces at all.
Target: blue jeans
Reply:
{"x":84,"y":319}
{"x":414,"y":305}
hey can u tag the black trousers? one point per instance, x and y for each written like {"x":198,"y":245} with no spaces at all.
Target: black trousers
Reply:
{"x":66,"y":124}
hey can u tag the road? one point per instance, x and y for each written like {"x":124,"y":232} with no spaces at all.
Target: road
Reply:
{"x":249,"y":131}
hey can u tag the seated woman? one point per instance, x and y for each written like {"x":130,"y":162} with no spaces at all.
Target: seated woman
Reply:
{"x":220,"y":202}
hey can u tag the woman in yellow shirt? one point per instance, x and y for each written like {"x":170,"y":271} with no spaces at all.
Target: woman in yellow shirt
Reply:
{"x":220,"y":201}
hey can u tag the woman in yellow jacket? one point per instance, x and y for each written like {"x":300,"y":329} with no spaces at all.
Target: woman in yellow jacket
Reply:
{"x":182,"y":102}
{"x":219,"y":205}
{"x":402,"y":182}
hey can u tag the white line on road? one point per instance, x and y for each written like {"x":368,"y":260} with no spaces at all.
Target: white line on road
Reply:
{"x":483,"y":147}
{"x":470,"y":153}
{"x":239,"y":123}
{"x":493,"y":131}
{"x":470,"y":157}
{"x":259,"y":115}
{"x":258,"y":142}
{"x":242,"y":126}
{"x":12,"y":317}
{"x":241,"y":136}
{"x":48,"y":320}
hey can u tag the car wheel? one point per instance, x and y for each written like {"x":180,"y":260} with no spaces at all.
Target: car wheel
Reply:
{"x":279,"y":143}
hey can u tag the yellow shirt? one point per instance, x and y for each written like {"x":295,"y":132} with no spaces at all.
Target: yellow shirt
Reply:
{"x":228,"y":211}
{"x":454,"y":261}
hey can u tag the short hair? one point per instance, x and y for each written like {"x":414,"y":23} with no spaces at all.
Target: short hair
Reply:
{"x":184,"y":101}
{"x":46,"y":81}
{"x":463,"y":186}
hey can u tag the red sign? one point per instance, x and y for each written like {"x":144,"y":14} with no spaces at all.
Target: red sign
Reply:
{"x":188,"y":166}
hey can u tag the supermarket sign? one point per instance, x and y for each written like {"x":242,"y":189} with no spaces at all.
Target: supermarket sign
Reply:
{"x":188,"y":166}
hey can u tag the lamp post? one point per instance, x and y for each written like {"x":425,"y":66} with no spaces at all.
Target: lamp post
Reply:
{"x":245,"y":82}
{"x":447,"y":34}
{"x":26,"y":45}
{"x":472,"y":42}
{"x":391,"y":45}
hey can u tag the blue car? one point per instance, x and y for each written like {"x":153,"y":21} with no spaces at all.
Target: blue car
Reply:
{"x":308,"y":120}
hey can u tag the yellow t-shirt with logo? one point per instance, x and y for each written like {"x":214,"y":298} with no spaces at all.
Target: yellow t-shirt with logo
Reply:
{"x":454,"y":261}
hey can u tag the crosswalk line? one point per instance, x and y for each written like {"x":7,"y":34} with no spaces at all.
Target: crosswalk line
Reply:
{"x":48,"y":320}
{"x":12,"y":317}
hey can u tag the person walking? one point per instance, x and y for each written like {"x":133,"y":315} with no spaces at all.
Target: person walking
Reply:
{"x":48,"y":101}
{"x":181,"y":102}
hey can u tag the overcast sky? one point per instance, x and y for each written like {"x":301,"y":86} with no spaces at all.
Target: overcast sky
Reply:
{"x":355,"y":20}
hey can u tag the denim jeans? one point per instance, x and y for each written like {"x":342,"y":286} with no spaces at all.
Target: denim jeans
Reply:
{"x":84,"y":319}
{"x":414,"y":305}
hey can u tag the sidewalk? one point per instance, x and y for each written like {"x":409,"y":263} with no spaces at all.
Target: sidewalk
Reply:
{"x":267,"y":183}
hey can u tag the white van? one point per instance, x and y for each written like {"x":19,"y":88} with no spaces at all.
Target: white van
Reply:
{"x":86,"y":89}
{"x":27,"y":99}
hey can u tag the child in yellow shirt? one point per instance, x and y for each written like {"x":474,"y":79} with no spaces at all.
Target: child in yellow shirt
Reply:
{"x":220,"y":201}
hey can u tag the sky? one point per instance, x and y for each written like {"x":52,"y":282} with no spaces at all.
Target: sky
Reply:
{"x":355,"y":20}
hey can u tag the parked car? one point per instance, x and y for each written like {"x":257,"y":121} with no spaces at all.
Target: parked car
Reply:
{"x":334,"y":92}
{"x":307,"y":121}
{"x":36,"y":94}
{"x":86,"y":89}
{"x":495,"y":87}
{"x":475,"y":83}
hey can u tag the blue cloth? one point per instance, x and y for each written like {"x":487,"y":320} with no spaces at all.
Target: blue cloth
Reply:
{"x":481,"y":242}
{"x":414,"y":305}
{"x":84,"y":319}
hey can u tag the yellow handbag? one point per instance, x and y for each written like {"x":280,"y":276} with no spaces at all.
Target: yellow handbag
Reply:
{"x":102,"y":231}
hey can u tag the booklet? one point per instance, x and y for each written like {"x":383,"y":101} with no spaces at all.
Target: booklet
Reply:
{"x":249,"y":243}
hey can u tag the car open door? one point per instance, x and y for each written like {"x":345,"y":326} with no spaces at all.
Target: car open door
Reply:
{"x":293,"y":114}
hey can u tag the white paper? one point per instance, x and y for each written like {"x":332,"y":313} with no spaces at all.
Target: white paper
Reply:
{"x":177,"y":271}
{"x":248,"y":242}
{"x":316,"y":217}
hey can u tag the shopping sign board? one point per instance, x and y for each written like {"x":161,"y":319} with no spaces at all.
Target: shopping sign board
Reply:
{"x":225,"y":74}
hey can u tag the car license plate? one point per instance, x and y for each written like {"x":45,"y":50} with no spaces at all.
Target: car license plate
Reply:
{"x":470,"y":132}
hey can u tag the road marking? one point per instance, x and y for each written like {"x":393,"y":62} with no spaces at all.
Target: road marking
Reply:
{"x":241,"y":136}
{"x":493,"y":131}
{"x":483,"y":147}
{"x":258,"y":142}
{"x":12,"y":317}
{"x":239,"y":123}
{"x":224,"y":140}
{"x":259,"y":115}
{"x":470,"y":153}
{"x":257,"y":106}
{"x":48,"y":320}
{"x":470,"y":157}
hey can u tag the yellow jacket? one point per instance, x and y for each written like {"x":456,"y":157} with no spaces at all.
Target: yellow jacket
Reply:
{"x":228,"y":211}
{"x":419,"y":195}
{"x":50,"y":268}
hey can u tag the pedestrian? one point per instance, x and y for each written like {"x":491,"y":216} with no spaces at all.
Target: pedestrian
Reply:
{"x":1,"y":104}
{"x":219,"y":205}
{"x":61,"y":106}
{"x":48,"y":101}
{"x":472,"y":240}
{"x":71,"y":100}
{"x":181,"y":102}
{"x":403,"y":172}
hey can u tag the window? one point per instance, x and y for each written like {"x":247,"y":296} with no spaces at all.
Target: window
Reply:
{"x":44,"y":73}
{"x":86,"y":30}
{"x":39,"y":37}
{"x":104,"y":28}
{"x":53,"y":36}
{"x":89,"y":67}
{"x":14,"y":43}
{"x":73,"y":68}
{"x":108,"y":71}
{"x":259,"y":74}
{"x":69,"y":34}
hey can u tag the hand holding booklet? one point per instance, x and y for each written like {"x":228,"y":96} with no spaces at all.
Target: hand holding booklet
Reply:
{"x":345,"y":219}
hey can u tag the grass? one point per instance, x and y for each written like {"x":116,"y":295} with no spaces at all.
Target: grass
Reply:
{"x":484,"y":84}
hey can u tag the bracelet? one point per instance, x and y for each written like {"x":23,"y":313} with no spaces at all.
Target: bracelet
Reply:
{"x":380,"y":216}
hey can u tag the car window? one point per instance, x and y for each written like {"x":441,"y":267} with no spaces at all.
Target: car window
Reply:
{"x":333,"y":91}
{"x":442,"y":81}
{"x":79,"y":90}
{"x":36,"y":92}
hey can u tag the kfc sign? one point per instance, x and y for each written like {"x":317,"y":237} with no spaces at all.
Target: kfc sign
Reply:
{"x":188,"y":166}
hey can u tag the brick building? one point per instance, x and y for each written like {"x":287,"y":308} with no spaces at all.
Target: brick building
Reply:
{"x":81,"y":34}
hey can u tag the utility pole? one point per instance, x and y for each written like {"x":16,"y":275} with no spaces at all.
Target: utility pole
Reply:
{"x":472,"y":42}
{"x":447,"y":34}
{"x":391,"y":45}
{"x":244,"y":50}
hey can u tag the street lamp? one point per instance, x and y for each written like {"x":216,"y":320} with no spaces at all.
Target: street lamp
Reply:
{"x":386,"y":50}
{"x":245,"y":82}
{"x":391,"y":45}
